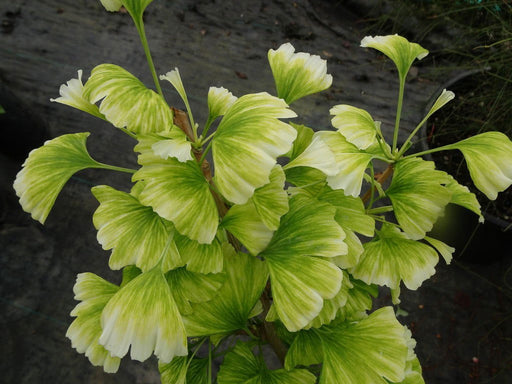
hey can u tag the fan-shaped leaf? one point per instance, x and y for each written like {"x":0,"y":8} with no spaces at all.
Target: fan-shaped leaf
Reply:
{"x":489,"y":159}
{"x":47,"y":169}
{"x":85,"y":331}
{"x":155,"y":325}
{"x":355,"y":124}
{"x":247,"y":142}
{"x":297,"y":74}
{"x":125,"y":101}
{"x":418,"y":195}
{"x":137,"y":234}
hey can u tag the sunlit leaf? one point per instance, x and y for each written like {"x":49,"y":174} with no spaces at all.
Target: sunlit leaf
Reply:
{"x":398,"y":49}
{"x":355,"y":124}
{"x":72,"y":94}
{"x":144,"y":315}
{"x":125,"y":101}
{"x":351,"y":163}
{"x":418,"y":195}
{"x":219,"y":101}
{"x":47,"y":169}
{"x":301,"y":282}
{"x":245,"y":223}
{"x":370,"y":351}
{"x":135,"y":232}
{"x":191,"y":287}
{"x":393,"y":257}
{"x":297,"y":74}
{"x":179,"y":193}
{"x":247,"y":142}
{"x":489,"y":159}
{"x":246,"y":277}
{"x":84,"y":332}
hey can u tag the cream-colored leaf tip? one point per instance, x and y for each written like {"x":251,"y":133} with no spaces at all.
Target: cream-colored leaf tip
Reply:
{"x":219,"y":101}
{"x":297,"y":74}
{"x":112,"y":5}
{"x":398,"y":49}
{"x":72,"y":94}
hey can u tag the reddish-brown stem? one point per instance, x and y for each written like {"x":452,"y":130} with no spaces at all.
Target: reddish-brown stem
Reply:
{"x":381,"y":179}
{"x":267,"y":330}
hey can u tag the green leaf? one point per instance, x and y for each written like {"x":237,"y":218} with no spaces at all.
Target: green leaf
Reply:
{"x":84,"y":332}
{"x":355,"y":124}
{"x":72,"y":94}
{"x":200,"y":258}
{"x":247,"y":143}
{"x":271,"y":200}
{"x":393,"y":257}
{"x":137,"y":234}
{"x":246,"y":277}
{"x":219,"y":102}
{"x":317,"y":155}
{"x":125,"y":101}
{"x":300,"y":282}
{"x":370,"y":351}
{"x":350,"y":211}
{"x":47,"y":169}
{"x":444,"y":98}
{"x":398,"y":49}
{"x":241,"y":366}
{"x":332,"y":306}
{"x":136,"y":7}
{"x":179,"y":193}
{"x":351,"y":163}
{"x":182,"y":370}
{"x":418,"y":195}
{"x":355,"y":250}
{"x":359,"y":300}
{"x":463,"y":197}
{"x":173,"y":143}
{"x":413,"y":373}
{"x":306,"y":178}
{"x":190,"y":287}
{"x":144,"y":315}
{"x":304,"y":137}
{"x":112,"y":5}
{"x":297,"y":74}
{"x":489,"y":159}
{"x":444,"y":250}
{"x":245,"y":223}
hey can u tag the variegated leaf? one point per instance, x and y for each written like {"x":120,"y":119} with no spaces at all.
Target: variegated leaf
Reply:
{"x":398,"y":49}
{"x":126,"y":102}
{"x":355,"y":124}
{"x":271,"y":200}
{"x":489,"y":159}
{"x":219,"y":102}
{"x":463,"y":197}
{"x":135,"y":232}
{"x":246,"y":277}
{"x":351,"y":163}
{"x":84,"y":332}
{"x":370,"y":351}
{"x":191,"y":287}
{"x":47,"y":169}
{"x":418,"y":195}
{"x":247,"y":143}
{"x":297,"y":74}
{"x":179,"y":193}
{"x":393,"y":257}
{"x":155,"y":326}
{"x":241,"y":366}
{"x":301,"y":282}
{"x":200,"y":258}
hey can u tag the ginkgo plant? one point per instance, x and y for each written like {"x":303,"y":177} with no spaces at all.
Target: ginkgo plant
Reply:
{"x":264,"y":246}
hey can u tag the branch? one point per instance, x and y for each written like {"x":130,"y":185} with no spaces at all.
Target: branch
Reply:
{"x":381,"y":179}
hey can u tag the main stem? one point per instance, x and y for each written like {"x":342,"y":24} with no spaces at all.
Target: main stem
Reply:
{"x":142,"y":33}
